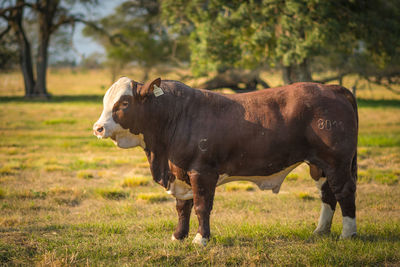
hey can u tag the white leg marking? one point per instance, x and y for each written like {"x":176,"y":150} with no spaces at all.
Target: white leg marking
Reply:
{"x":173,"y":238}
{"x":319,"y":185}
{"x":199,"y":240}
{"x":349,"y":227}
{"x":325,"y":220}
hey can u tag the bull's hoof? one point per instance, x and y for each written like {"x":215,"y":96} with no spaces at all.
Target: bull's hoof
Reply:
{"x":173,"y":238}
{"x":349,"y":228}
{"x":199,"y":240}
{"x":351,"y":236}
{"x":321,"y":232}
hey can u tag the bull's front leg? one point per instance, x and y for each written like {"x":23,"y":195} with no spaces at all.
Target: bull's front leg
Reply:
{"x":184,"y":208}
{"x":203,"y":186}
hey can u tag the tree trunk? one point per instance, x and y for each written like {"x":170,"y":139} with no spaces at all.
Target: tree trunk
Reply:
{"x":46,"y":12}
{"x":286,"y":74}
{"x":240,"y":81}
{"x":304,"y":73}
{"x":297,"y":73}
{"x":41,"y":67}
{"x":25,"y":56}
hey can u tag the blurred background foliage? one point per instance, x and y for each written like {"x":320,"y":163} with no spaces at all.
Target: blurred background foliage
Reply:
{"x":229,"y":42}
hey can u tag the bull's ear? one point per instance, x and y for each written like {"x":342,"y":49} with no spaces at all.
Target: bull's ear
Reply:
{"x":147,"y":88}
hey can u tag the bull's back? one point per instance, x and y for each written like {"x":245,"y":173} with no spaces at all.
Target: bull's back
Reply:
{"x":282,"y":126}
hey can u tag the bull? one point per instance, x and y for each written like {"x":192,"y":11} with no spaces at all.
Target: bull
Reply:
{"x":196,"y":140}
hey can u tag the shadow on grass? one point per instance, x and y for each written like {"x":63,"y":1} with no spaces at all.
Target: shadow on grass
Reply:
{"x":55,"y":99}
{"x":378,"y":103}
{"x":368,"y":103}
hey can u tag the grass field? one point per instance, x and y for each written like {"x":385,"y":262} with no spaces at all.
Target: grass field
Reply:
{"x":67,"y":198}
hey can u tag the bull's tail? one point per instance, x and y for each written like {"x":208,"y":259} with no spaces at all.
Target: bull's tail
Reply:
{"x":354,"y":166}
{"x":353,"y":102}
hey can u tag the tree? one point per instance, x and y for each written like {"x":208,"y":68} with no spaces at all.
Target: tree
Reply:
{"x":292,"y":34}
{"x":13,"y":14}
{"x":49,"y":15}
{"x":8,"y":53}
{"x":140,"y":37}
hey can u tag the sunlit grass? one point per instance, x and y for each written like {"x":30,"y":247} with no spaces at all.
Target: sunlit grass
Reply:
{"x":153,"y":197}
{"x":83,"y":174}
{"x":233,"y":187}
{"x":136,"y":181}
{"x":67,"y":198}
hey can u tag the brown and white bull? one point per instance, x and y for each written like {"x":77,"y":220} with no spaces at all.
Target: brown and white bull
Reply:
{"x":196,"y":140}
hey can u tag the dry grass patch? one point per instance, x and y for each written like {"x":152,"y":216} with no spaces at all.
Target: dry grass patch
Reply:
{"x":112,"y":193}
{"x":7,"y":170}
{"x":54,"y":168}
{"x":85,"y":174}
{"x":3,"y":193}
{"x":292,"y":177}
{"x":305,"y":196}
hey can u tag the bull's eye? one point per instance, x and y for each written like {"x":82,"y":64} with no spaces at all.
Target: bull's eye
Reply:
{"x":124,"y":104}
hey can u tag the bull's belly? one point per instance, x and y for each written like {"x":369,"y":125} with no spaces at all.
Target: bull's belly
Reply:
{"x":182,"y":190}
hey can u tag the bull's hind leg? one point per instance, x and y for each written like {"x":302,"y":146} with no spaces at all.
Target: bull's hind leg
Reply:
{"x":328,"y":199}
{"x":184,"y":208}
{"x":343,"y":186}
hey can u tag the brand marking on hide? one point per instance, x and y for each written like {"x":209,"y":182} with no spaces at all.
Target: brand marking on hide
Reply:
{"x":203,"y":145}
{"x":329,"y":124}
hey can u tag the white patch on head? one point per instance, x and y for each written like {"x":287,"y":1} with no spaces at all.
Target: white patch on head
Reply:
{"x":199,"y":240}
{"x":173,"y":238}
{"x":180,"y":190}
{"x":122,"y":137}
{"x":349,"y":227}
{"x":325,"y":220}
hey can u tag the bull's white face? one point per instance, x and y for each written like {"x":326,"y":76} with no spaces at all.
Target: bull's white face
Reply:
{"x":106,"y":126}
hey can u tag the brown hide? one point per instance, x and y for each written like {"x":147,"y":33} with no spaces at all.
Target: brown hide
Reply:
{"x":253,"y":134}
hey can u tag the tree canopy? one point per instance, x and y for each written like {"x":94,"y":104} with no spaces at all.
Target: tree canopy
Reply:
{"x":293,"y":34}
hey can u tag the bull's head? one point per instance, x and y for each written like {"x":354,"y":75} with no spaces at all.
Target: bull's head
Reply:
{"x":118,"y":112}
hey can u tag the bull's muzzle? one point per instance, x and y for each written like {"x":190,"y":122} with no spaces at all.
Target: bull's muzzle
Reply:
{"x":98,"y":130}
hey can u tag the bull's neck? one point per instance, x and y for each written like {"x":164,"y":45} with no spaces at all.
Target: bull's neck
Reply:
{"x":156,"y":123}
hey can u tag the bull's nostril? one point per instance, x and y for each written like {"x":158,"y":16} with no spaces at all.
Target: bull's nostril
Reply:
{"x":100,"y":129}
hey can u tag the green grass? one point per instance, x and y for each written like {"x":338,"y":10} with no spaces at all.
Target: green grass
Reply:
{"x":389,"y":177}
{"x":67,"y":198}
{"x":380,"y":140}
{"x":59,"y":121}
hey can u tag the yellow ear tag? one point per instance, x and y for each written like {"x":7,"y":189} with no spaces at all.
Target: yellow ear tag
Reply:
{"x":157,"y":91}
